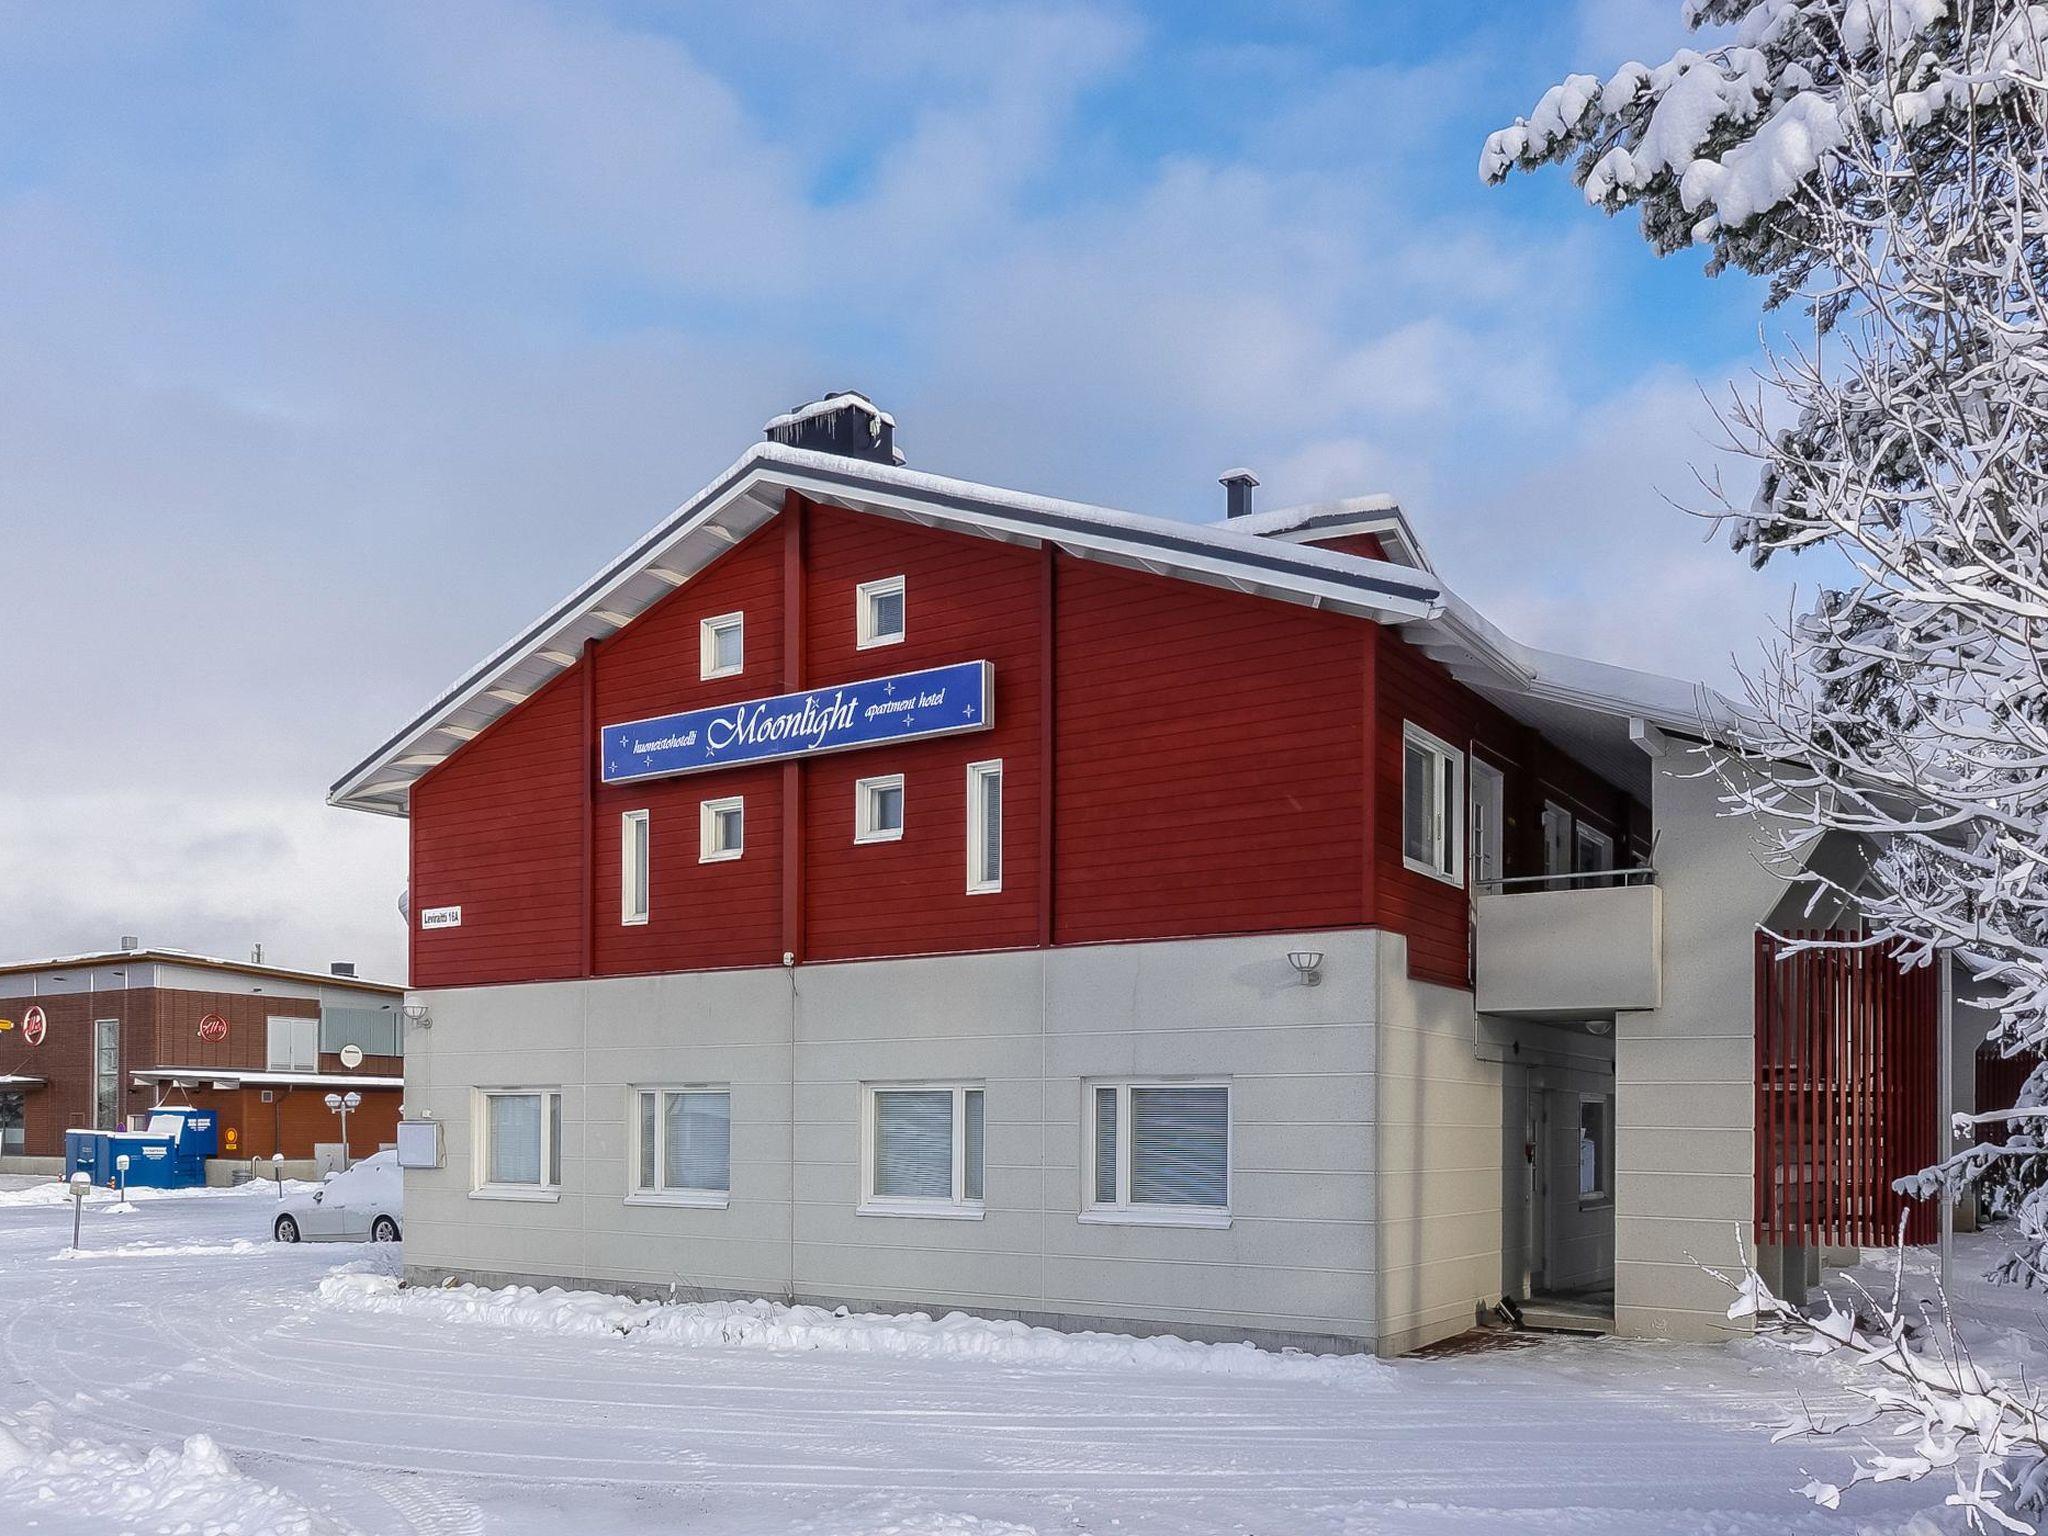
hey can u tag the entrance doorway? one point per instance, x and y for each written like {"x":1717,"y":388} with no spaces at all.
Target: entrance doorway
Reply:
{"x":1557,"y":1188}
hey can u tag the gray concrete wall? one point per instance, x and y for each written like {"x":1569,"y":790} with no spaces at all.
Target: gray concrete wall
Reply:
{"x":1581,"y":951}
{"x":1439,"y":1157}
{"x":1296,"y":1263}
{"x":1685,"y":1075}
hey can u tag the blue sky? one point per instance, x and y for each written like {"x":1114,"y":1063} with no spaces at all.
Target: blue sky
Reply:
{"x":336,"y":341}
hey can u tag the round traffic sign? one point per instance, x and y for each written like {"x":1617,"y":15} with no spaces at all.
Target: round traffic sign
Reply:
{"x":351,"y":1055}
{"x":34,"y":1026}
{"x":213,"y":1029}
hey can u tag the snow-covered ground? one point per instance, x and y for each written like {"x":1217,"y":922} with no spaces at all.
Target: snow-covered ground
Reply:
{"x":188,"y":1376}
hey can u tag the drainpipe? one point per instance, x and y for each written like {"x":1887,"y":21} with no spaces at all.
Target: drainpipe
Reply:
{"x":1945,"y":1128}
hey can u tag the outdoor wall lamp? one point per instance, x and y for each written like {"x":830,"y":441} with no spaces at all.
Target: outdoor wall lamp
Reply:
{"x":1308,"y":965}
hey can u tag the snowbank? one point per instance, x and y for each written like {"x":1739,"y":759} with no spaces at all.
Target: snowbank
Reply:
{"x":193,"y":1488}
{"x":239,"y":1245}
{"x":772,"y":1326}
{"x":57,"y":1192}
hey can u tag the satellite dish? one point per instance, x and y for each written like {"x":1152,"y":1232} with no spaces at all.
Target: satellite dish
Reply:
{"x":351,"y":1055}
{"x":405,"y":905}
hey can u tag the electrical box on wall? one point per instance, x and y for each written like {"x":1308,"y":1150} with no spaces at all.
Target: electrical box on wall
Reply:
{"x":419,"y":1144}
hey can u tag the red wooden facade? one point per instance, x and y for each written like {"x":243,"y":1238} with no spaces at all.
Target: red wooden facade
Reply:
{"x":1845,"y":1092}
{"x":1178,"y":760}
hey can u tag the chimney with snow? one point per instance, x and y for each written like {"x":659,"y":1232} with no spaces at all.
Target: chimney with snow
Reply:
{"x":1237,"y":488}
{"x":847,"y":423}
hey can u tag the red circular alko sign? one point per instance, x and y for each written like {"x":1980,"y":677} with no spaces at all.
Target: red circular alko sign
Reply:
{"x":213,"y":1029}
{"x":34,"y":1026}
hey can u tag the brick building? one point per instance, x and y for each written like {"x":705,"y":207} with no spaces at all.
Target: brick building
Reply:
{"x":88,"y":1041}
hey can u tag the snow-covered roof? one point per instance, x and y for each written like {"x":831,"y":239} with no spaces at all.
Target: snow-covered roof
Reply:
{"x":165,"y":955}
{"x":1264,"y":554}
{"x":265,"y":1079}
{"x":1316,"y":522}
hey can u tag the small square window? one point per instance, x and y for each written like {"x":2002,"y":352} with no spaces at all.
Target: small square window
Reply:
{"x":878,"y":810}
{"x":521,"y":1139}
{"x":1596,"y":1151}
{"x":925,"y":1150}
{"x":1160,"y":1150}
{"x":880,"y":612}
{"x":724,"y":645}
{"x":722,"y":834}
{"x":683,"y":1145}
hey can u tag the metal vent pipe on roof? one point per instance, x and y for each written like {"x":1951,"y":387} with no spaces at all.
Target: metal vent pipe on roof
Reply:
{"x":1237,"y":488}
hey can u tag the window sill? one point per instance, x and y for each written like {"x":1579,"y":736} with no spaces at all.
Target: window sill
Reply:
{"x":1433,"y":872}
{"x":895,"y":836}
{"x":725,"y":857}
{"x":1213,"y":1221}
{"x":516,"y":1192}
{"x":700,"y":1200}
{"x":877,"y":642}
{"x":929,"y":1210}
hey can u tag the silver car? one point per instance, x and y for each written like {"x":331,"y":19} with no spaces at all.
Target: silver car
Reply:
{"x":365,"y":1203}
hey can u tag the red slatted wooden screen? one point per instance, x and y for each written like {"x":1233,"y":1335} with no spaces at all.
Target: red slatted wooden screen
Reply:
{"x":1845,"y":1093}
{"x":2000,"y":1077}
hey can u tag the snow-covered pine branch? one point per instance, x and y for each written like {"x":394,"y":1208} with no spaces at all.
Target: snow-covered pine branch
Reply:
{"x":1987,"y":1438}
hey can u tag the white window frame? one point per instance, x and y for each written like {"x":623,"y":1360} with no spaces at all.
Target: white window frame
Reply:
{"x":636,"y":868}
{"x":1449,"y":839}
{"x":549,"y":1189}
{"x":1486,"y":817}
{"x":708,"y":849}
{"x":959,"y":1208}
{"x":1603,"y":1157}
{"x":867,"y":637}
{"x":661,"y":1194}
{"x":1121,"y":1211}
{"x":980,"y":777}
{"x":298,"y":1032}
{"x":1584,"y":833}
{"x":1556,"y":813}
{"x":106,"y":1082}
{"x":865,"y":792}
{"x":707,"y":645}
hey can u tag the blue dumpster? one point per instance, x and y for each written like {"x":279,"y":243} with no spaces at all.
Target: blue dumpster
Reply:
{"x":170,"y":1153}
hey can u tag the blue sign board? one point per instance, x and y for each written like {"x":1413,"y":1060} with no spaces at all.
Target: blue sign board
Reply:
{"x":911,"y":706}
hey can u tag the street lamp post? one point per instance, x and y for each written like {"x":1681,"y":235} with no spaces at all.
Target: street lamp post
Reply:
{"x":81,"y":1185}
{"x":341,"y":1104}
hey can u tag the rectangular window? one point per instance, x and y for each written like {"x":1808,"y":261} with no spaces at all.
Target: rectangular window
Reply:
{"x":880,"y":613}
{"x":722,"y":831}
{"x":106,"y":1074}
{"x":878,"y":809}
{"x":520,"y":1140}
{"x":635,"y":838}
{"x":294,"y":1045}
{"x":1432,"y":806}
{"x":683,"y":1154}
{"x":984,"y":827}
{"x":1596,"y":1165}
{"x":723,"y":646}
{"x":1592,"y":853}
{"x":1557,"y":839}
{"x":924,"y":1150}
{"x":1161,"y":1151}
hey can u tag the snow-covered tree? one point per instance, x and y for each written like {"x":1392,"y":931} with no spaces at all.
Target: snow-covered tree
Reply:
{"x":1884,"y":164}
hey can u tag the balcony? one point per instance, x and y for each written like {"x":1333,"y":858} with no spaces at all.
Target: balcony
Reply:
{"x":1569,"y":945}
